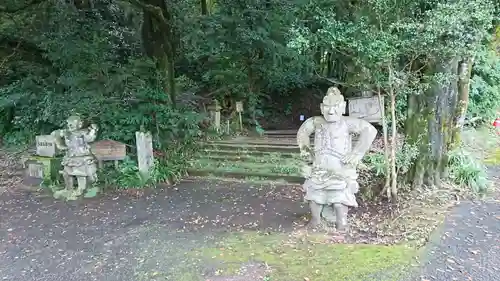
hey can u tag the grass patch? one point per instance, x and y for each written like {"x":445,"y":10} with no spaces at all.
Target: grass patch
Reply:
{"x":493,"y":158}
{"x":293,"y":259}
{"x":484,"y":143}
{"x":268,"y":167}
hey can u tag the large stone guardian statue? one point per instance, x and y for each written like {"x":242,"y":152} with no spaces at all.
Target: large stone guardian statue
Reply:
{"x":331,"y":176}
{"x":78,"y":161}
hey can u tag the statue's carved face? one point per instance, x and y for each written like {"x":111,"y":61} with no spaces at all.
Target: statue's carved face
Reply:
{"x":74,"y":125}
{"x":333,"y":112}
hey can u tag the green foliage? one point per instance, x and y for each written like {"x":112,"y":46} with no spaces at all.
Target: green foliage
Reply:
{"x":466,"y":170}
{"x":405,"y":157}
{"x":484,"y":101}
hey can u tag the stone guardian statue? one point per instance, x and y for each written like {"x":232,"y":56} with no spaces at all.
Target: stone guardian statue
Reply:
{"x":331,"y":176}
{"x":78,"y":161}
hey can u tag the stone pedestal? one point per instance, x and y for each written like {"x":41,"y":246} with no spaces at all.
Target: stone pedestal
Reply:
{"x":38,"y":168}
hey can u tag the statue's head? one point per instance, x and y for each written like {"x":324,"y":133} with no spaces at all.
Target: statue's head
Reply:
{"x":74,"y":123}
{"x":333,"y":105}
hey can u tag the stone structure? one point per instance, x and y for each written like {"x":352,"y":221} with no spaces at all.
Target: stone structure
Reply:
{"x":145,"y":159}
{"x":331,"y":176}
{"x":43,"y":165}
{"x":78,"y":161}
{"x":367,"y":108}
{"x":215,"y":115}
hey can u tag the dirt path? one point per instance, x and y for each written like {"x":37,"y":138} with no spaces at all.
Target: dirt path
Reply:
{"x":123,"y":238}
{"x":469,"y":247}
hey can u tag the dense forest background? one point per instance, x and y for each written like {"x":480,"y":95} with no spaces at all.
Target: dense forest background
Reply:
{"x":159,"y":63}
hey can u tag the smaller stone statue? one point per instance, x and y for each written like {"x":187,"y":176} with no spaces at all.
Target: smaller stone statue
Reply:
{"x":78,"y":161}
{"x":331,"y":177}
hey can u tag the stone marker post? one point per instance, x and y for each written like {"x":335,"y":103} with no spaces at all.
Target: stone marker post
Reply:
{"x":239,"y":109}
{"x":145,"y":159}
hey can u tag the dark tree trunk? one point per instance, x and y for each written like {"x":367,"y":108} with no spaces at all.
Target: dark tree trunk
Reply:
{"x":204,"y":7}
{"x":430,"y":124}
{"x":160,"y":41}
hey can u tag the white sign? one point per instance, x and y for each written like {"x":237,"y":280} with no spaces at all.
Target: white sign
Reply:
{"x":302,"y":117}
{"x":366,"y":108}
{"x":45,"y":146}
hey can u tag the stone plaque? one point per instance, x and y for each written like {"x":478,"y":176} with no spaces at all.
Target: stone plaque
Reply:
{"x":145,"y":159}
{"x":366,"y":108}
{"x":45,"y":146}
{"x":109,"y":150}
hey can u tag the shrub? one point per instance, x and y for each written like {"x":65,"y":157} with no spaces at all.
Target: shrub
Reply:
{"x":467,"y":171}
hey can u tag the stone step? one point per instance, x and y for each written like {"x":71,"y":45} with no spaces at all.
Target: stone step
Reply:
{"x":252,"y":147}
{"x":288,"y":132}
{"x":257,"y":141}
{"x":235,"y":153}
{"x":245,"y":175}
{"x":247,"y":158}
{"x":251,"y":163}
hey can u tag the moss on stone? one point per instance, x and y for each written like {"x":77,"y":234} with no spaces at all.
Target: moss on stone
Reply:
{"x":296,"y":259}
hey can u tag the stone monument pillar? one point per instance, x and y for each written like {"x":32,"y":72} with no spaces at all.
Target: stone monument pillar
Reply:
{"x":145,"y":158}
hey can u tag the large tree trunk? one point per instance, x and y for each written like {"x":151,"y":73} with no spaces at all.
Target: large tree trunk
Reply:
{"x":430,"y":124}
{"x":160,"y":40}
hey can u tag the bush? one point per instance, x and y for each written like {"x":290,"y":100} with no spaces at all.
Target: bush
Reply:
{"x":484,"y":100}
{"x":405,"y":156}
{"x":467,"y":171}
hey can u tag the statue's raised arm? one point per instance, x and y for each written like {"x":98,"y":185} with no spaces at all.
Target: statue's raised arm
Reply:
{"x":91,"y":134}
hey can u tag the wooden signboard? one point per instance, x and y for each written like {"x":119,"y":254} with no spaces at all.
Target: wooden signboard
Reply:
{"x":109,"y":150}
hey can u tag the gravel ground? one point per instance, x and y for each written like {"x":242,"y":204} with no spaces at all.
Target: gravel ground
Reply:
{"x":469,"y":247}
{"x":126,"y":238}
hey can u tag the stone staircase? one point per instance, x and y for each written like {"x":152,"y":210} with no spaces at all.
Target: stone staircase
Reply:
{"x":272,"y":157}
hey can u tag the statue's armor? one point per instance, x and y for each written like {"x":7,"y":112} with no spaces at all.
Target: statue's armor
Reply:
{"x":331,"y":180}
{"x":77,"y":146}
{"x":332,"y":141}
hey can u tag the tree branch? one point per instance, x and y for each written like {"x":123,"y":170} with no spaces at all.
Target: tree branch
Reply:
{"x":4,"y":61}
{"x":4,"y":9}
